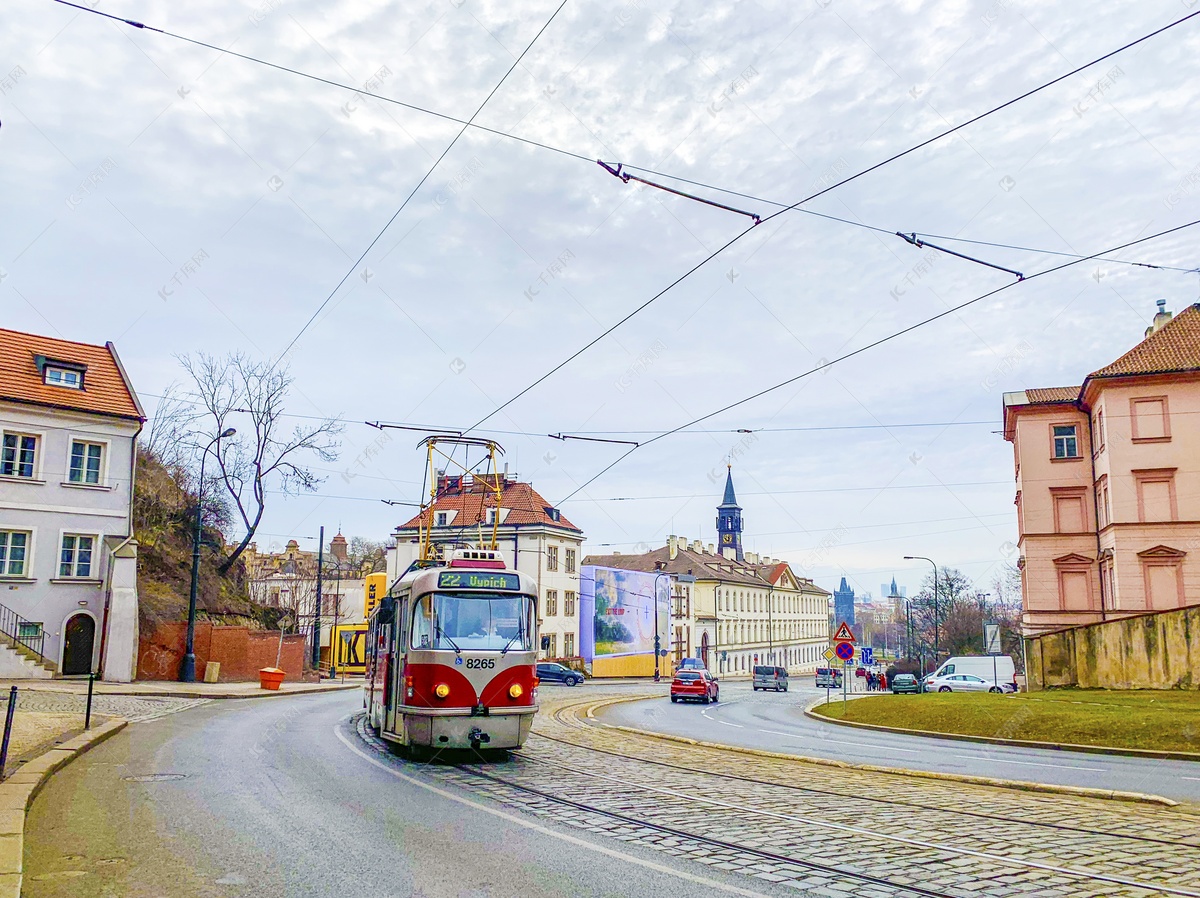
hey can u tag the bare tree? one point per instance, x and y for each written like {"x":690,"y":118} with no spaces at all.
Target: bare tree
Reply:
{"x":169,"y":437}
{"x":236,"y":391}
{"x":367,"y":555}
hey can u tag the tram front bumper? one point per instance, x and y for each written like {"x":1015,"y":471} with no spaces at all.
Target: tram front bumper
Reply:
{"x":493,"y":731}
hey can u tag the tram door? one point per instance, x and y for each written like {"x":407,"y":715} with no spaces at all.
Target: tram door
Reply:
{"x":394,"y":694}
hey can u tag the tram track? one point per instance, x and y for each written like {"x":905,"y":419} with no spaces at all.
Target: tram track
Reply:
{"x":890,"y":802}
{"x":742,"y":811}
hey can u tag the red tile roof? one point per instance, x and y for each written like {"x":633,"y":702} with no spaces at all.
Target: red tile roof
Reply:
{"x":106,"y":390}
{"x":1173,"y":347}
{"x":701,"y":566}
{"x":524,"y":503}
{"x":1051,"y":394}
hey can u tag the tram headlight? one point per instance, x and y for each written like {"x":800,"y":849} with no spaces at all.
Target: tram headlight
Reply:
{"x":515,"y":691}
{"x":441,"y":690}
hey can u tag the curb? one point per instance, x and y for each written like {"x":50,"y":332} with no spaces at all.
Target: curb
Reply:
{"x":337,"y":687}
{"x":18,"y":791}
{"x":1148,"y":753}
{"x":1018,"y":785}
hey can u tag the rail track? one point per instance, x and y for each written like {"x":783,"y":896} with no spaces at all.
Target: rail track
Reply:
{"x":874,"y":800}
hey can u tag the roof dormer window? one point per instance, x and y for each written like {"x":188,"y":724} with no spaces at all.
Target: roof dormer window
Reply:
{"x":58,"y":373}
{"x":63,"y":377}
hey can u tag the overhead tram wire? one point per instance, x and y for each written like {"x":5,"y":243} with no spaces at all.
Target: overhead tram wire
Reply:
{"x":854,"y":177}
{"x":424,"y":178}
{"x":590,"y":159}
{"x":872,"y":345}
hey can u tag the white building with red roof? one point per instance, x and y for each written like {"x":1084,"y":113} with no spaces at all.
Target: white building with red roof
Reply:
{"x":69,"y":421}
{"x":533,"y":536}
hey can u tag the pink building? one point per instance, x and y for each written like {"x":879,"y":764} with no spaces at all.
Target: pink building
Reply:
{"x":1108,"y":484}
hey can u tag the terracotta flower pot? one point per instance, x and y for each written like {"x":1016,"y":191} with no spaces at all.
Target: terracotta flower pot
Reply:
{"x":270,"y":677}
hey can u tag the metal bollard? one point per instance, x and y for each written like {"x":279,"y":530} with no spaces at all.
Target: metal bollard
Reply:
{"x":87,"y":716}
{"x":12,"y":706}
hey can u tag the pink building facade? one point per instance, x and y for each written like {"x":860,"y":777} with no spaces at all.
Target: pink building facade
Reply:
{"x":1108,"y":484}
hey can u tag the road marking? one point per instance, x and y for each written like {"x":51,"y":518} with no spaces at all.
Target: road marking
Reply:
{"x":1028,"y":763}
{"x":1194,"y":779}
{"x":889,"y":749}
{"x":511,"y":818}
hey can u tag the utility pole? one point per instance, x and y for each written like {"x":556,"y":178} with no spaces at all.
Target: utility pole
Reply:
{"x":316,"y":633}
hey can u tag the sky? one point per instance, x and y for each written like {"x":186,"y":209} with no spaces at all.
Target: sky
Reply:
{"x":175,"y":199}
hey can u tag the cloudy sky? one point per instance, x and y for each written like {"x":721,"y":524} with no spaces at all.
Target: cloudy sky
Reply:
{"x":174,"y":199}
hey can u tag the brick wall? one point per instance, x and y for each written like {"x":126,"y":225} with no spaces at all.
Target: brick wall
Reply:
{"x":241,"y":652}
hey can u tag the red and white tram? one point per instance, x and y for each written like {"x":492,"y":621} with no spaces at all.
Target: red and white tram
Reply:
{"x":452,"y":656}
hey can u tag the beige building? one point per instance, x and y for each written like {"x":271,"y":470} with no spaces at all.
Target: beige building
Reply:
{"x":735,"y":614}
{"x":532,"y":535}
{"x":1108,"y":484}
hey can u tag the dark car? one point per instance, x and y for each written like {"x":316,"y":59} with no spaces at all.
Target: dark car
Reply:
{"x":695,"y":684}
{"x":691,"y":664}
{"x":553,"y":672}
{"x":905,"y":683}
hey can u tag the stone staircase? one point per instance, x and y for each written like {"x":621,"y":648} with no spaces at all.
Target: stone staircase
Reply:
{"x":18,"y":661}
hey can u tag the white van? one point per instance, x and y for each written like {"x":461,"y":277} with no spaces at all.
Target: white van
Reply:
{"x":996,"y":671}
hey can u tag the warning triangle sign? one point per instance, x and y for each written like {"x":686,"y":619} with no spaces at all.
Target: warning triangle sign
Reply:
{"x":843,"y":634}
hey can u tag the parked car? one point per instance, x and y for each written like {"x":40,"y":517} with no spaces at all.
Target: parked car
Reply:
{"x":905,"y":683}
{"x":860,"y":672}
{"x":829,"y":678}
{"x":553,"y":672}
{"x":775,"y":678}
{"x":965,"y":683}
{"x":995,"y":669}
{"x":695,"y":684}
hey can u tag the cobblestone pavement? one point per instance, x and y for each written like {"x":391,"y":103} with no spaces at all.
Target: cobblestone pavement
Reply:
{"x":835,"y":832}
{"x":134,"y":708}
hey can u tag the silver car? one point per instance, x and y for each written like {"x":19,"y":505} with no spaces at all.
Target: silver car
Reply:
{"x":964,"y":683}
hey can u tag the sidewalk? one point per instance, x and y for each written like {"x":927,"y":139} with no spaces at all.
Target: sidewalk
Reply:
{"x":167,"y":689}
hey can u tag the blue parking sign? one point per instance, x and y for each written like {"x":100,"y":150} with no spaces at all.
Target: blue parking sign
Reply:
{"x":866,"y":655}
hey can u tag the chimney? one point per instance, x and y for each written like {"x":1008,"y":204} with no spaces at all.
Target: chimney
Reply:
{"x":672,"y":547}
{"x":711,"y":549}
{"x":1160,"y":318}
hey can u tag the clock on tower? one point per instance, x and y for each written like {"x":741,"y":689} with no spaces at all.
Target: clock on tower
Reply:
{"x":729,"y":521}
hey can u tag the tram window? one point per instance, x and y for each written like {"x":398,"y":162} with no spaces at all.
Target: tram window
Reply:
{"x":465,"y":622}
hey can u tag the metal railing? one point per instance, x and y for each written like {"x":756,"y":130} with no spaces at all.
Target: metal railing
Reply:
{"x":25,"y":632}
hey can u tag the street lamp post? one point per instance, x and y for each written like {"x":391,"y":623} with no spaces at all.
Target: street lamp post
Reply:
{"x":187,"y":670}
{"x":935,"y":604}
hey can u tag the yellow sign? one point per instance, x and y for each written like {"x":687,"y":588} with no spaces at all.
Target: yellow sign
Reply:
{"x":376,"y":586}
{"x":349,"y":643}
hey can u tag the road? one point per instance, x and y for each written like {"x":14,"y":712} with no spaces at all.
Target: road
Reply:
{"x":775,"y":722}
{"x":280,"y":797}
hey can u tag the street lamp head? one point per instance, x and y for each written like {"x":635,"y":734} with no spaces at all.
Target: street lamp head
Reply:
{"x":910,"y":557}
{"x":228,"y":432}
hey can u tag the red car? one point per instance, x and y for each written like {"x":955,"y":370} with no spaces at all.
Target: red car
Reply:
{"x":695,"y":684}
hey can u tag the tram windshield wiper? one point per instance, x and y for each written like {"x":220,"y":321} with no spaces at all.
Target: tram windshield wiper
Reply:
{"x":508,"y":645}
{"x":443,"y":634}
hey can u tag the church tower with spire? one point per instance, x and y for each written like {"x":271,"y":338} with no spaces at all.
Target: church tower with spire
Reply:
{"x":729,"y":522}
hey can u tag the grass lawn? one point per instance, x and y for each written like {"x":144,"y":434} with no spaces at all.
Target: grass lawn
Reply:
{"x":1165,"y":721}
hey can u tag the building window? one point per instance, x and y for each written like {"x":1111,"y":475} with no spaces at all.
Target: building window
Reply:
{"x":1069,"y":515}
{"x":570,"y":561}
{"x":14,"y":548}
{"x":76,"y":558}
{"x":1148,"y":420}
{"x":1099,"y":431}
{"x":551,"y":645}
{"x":1156,"y":495}
{"x":491,"y":516}
{"x":1066,"y":442}
{"x":569,"y":603}
{"x":63,"y":377}
{"x":569,"y":645}
{"x":85,"y":462}
{"x":552,"y":558}
{"x":443,"y":518}
{"x":20,"y":452}
{"x":551,"y":609}
{"x":1162,"y":569}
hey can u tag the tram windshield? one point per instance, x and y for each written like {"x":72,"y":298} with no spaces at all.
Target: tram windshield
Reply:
{"x":466,"y":622}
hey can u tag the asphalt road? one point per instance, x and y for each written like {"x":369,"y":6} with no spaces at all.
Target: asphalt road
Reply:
{"x":776,"y":722}
{"x":279,"y":797}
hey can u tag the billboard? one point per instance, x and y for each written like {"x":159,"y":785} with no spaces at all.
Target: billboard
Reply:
{"x":374,"y":588}
{"x":621,"y":608}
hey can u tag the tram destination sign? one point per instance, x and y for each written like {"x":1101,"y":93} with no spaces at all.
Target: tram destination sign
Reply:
{"x":478,"y":580}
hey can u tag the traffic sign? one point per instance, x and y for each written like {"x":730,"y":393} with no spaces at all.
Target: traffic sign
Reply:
{"x":866,"y":655}
{"x":829,"y":654}
{"x":843,"y":634}
{"x":845,"y":651}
